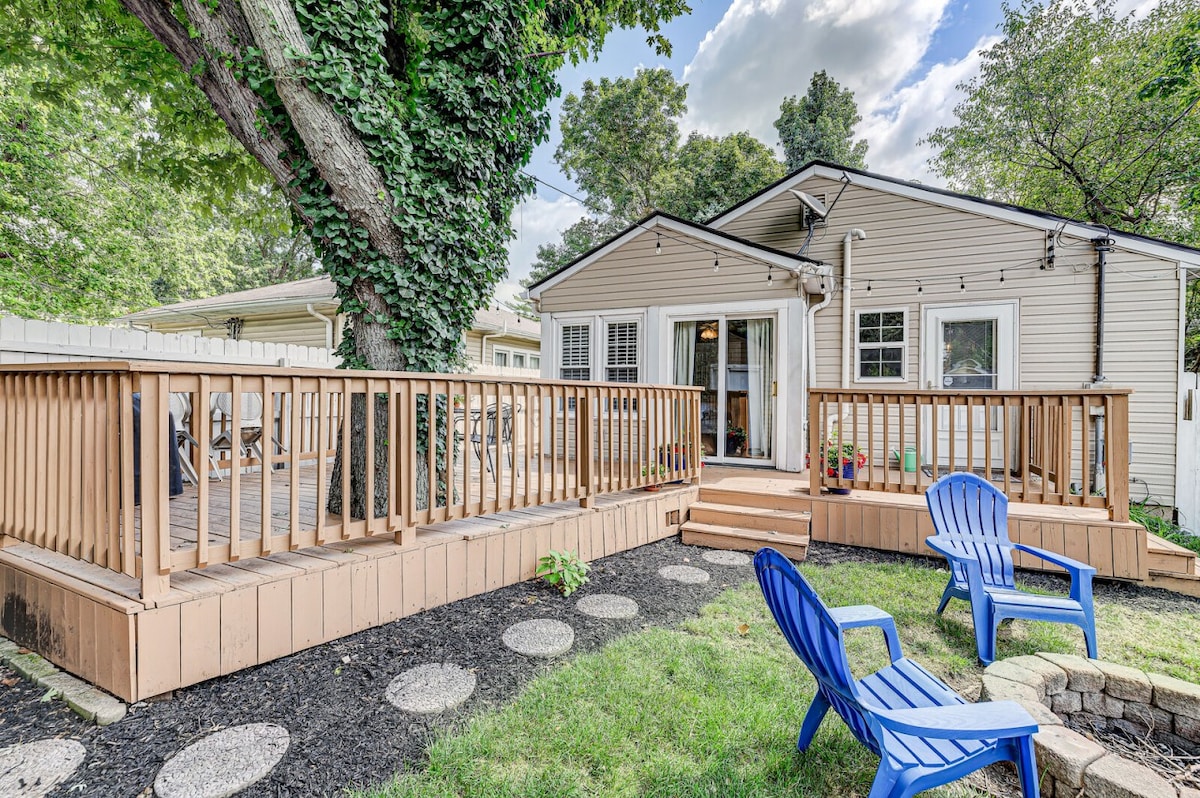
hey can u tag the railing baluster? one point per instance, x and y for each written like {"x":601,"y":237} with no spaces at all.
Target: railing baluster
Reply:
{"x":235,"y":470}
{"x":203,"y":433}
{"x":295,"y":401}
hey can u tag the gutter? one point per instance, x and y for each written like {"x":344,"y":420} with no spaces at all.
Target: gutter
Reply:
{"x":484,"y":339}
{"x":1103,"y":246}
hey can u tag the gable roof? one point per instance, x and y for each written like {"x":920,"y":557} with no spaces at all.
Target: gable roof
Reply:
{"x":677,"y":225}
{"x":953,"y":199}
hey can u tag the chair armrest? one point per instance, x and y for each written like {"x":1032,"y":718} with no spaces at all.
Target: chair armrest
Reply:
{"x":1081,"y":573}
{"x":969,"y":563}
{"x":961,"y":721}
{"x":1074,"y":566}
{"x":858,"y":616}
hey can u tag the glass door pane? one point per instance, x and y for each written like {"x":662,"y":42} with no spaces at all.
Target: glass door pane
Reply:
{"x":749,"y":388}
{"x":697,"y":353}
{"x":969,"y":354}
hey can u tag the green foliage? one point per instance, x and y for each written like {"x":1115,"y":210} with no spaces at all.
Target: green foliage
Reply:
{"x":1060,"y":118}
{"x":820,"y":126}
{"x":1144,"y":514}
{"x":621,"y":145}
{"x":83,"y":237}
{"x":563,"y":570}
{"x":1191,"y":342}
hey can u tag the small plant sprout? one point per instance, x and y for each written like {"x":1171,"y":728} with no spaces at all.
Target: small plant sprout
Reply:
{"x":563,"y":570}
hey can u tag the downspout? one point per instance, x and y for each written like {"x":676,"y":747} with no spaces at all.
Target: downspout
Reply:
{"x":328,"y":324}
{"x":847,"y":244}
{"x":1104,"y":245}
{"x":483,"y":339}
{"x":810,"y":344}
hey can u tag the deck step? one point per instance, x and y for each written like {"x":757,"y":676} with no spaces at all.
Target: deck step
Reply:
{"x":795,"y":500}
{"x":714,"y":536}
{"x":746,"y":517}
{"x":1170,"y":558}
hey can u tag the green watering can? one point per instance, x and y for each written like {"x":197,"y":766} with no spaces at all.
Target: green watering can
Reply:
{"x":910,"y":458}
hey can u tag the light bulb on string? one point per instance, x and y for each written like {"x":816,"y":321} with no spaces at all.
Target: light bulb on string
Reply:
{"x":770,"y":276}
{"x":716,"y":263}
{"x":1002,"y":277}
{"x":920,"y":288}
{"x":868,"y":287}
{"x":658,"y":245}
{"x":962,"y":286}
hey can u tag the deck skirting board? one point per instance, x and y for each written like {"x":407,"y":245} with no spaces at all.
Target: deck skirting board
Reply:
{"x":227,"y":617}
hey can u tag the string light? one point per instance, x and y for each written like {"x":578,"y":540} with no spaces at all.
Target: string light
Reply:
{"x":770,"y":276}
{"x":716,"y":263}
{"x":962,"y":285}
{"x":868,"y":287}
{"x":1002,"y":277}
{"x":920,"y":288}
{"x":658,"y":244}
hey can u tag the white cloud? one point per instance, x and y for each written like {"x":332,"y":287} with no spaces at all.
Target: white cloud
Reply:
{"x":764,"y":50}
{"x":537,"y":221}
{"x":900,"y":120}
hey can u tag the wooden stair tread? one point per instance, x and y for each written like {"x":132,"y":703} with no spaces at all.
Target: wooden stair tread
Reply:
{"x":762,"y":512}
{"x":1158,"y":545}
{"x":763,"y":535}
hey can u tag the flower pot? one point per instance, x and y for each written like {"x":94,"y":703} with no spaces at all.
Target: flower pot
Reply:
{"x":847,"y":473}
{"x":652,"y":488}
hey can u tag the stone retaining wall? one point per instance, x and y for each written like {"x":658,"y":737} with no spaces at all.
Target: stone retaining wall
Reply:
{"x":1103,"y":695}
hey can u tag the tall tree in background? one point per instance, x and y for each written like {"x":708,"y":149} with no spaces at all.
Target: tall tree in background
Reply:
{"x":1071,"y":114}
{"x":820,"y":126}
{"x":620,"y":143}
{"x":86,"y":237}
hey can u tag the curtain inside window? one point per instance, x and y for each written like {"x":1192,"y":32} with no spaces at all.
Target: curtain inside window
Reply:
{"x":685,"y":352}
{"x":760,"y":345}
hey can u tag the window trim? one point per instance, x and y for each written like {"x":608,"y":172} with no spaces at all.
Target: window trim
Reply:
{"x":639,"y":347}
{"x":511,"y":351}
{"x":901,"y":345}
{"x":590,"y":324}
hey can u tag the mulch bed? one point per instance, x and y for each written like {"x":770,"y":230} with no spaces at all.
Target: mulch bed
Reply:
{"x":331,"y":697}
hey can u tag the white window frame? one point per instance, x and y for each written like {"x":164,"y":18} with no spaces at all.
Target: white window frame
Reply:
{"x":496,"y":352}
{"x":578,"y":321}
{"x":601,"y":367}
{"x":901,"y":345}
{"x":511,"y":352}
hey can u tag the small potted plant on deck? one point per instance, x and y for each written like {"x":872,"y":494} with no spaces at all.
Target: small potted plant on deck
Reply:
{"x":735,"y":439}
{"x":844,"y":456}
{"x":656,"y":472}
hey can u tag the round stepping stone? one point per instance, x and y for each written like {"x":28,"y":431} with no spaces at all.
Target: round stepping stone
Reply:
{"x":684,"y":573}
{"x":606,"y":605}
{"x":224,"y":763}
{"x":426,"y":689}
{"x":31,"y":770}
{"x":726,"y":558}
{"x":543,"y":637}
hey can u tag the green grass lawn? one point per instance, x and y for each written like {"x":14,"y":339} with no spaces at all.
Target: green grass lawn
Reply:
{"x":713,"y":708}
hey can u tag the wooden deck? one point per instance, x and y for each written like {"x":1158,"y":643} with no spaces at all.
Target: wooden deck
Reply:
{"x":92,"y":621}
{"x":900,"y":522}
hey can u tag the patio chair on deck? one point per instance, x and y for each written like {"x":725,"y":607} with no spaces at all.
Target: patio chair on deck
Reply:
{"x":971,"y":518}
{"x":251,"y":419}
{"x":924,"y":733}
{"x":493,"y":429}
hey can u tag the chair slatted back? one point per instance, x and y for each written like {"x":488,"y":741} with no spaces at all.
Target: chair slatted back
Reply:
{"x":811,"y":632}
{"x":971,"y":515}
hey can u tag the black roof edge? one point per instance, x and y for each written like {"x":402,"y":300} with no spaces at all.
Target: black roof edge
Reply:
{"x":686,"y":222}
{"x":945,"y":192}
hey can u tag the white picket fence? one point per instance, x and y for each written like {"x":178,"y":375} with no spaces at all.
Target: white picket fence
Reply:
{"x":34,"y":341}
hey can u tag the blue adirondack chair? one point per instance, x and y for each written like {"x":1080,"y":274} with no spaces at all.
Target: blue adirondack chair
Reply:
{"x":971,"y":518}
{"x":924,"y":733}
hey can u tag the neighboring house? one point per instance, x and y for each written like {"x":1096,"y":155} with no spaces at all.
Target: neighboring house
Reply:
{"x":305,"y":312}
{"x":945,"y":291}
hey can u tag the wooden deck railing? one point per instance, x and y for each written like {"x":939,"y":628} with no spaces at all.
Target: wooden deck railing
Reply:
{"x":72,"y":435}
{"x":1041,"y":447}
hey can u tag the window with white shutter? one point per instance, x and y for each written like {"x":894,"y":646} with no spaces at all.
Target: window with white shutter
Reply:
{"x":621,"y":352}
{"x":576,"y":351}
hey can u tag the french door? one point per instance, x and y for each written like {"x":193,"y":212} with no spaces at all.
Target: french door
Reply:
{"x":733,"y":359}
{"x":970,"y":348}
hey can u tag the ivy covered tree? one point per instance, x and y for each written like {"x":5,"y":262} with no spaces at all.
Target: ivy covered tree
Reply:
{"x":621,"y":146}
{"x":396,"y":130}
{"x":1085,"y":113}
{"x":820,"y":126}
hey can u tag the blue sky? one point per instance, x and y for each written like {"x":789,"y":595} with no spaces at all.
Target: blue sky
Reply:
{"x":902,"y":58}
